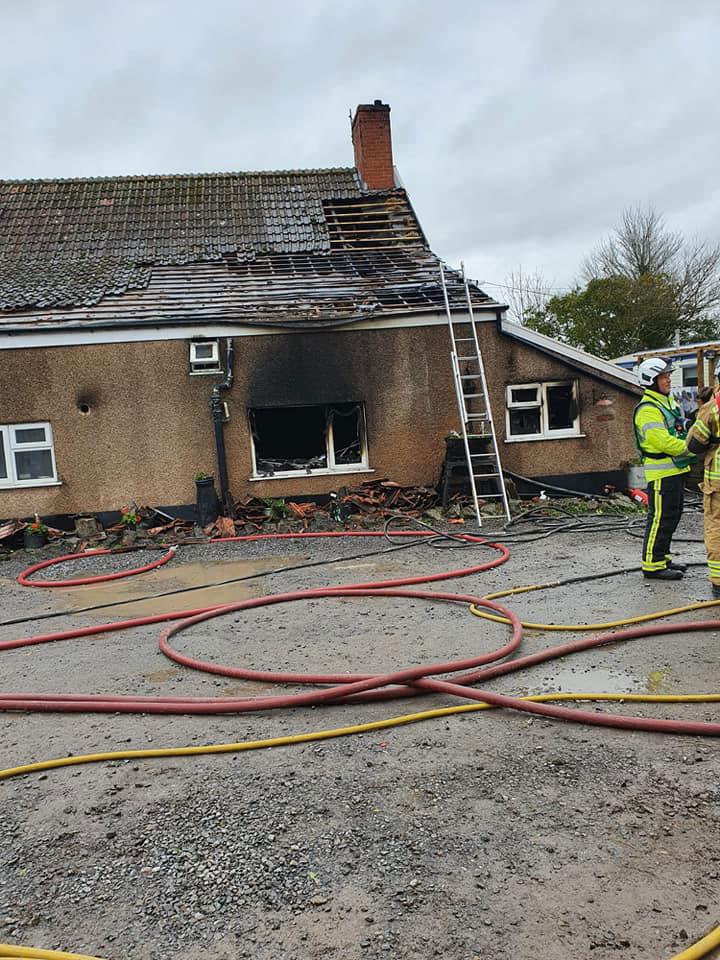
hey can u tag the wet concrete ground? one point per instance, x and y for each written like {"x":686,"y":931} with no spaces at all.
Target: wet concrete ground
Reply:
{"x":481,"y":835}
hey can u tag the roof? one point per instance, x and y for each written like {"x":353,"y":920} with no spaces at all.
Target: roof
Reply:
{"x":283,"y":247}
{"x":70,"y":242}
{"x":676,"y":352}
{"x":586,"y":362}
{"x":277,"y":290}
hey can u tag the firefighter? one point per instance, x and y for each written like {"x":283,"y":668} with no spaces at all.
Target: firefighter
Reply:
{"x":661,"y":441}
{"x":704,"y":438}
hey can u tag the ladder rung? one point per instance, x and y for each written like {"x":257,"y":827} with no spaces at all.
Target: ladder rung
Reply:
{"x":478,"y":456}
{"x":489,"y":496}
{"x":469,"y":376}
{"x":476,"y":358}
{"x":464,"y":340}
{"x":476,"y":416}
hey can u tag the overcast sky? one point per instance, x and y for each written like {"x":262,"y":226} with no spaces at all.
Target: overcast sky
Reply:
{"x":521,"y":128}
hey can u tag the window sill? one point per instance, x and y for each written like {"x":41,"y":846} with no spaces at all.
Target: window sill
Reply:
{"x":324,"y":472}
{"x":545,"y":436}
{"x":26,"y":484}
{"x":207,"y":373}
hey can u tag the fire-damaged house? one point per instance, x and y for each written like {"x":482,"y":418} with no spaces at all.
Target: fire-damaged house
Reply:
{"x":291,"y":323}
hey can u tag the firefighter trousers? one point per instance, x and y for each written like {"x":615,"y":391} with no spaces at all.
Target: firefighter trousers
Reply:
{"x":711,"y":510}
{"x":665,"y":506}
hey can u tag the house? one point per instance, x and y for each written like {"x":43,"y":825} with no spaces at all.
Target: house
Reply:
{"x":693,"y":368}
{"x":282,"y":330}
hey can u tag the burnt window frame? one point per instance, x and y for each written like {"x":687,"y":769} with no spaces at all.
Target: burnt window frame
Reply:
{"x":541,"y":404}
{"x":360,"y":466}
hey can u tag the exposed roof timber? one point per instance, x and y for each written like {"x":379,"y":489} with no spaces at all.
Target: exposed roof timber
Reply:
{"x":283,"y":290}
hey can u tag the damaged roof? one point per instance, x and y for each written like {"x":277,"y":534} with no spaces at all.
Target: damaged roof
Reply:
{"x":285,"y":247}
{"x":72,"y":242}
{"x":296,"y":290}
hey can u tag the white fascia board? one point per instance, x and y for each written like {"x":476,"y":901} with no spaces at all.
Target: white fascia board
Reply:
{"x":59,"y":337}
{"x":564,"y":351}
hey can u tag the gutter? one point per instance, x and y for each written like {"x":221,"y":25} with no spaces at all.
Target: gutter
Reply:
{"x":220,"y":415}
{"x":33,"y":326}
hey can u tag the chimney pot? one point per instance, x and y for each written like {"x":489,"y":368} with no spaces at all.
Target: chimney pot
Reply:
{"x":373,"y":145}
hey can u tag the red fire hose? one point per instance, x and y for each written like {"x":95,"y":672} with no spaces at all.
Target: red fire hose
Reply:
{"x":345,"y":687}
{"x":83,"y":581}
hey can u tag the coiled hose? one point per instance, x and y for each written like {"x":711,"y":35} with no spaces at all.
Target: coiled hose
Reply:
{"x":351,"y":688}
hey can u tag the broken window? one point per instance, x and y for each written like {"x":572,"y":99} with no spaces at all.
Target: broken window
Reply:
{"x":325,"y":438}
{"x":542,"y":411}
{"x":27,"y":457}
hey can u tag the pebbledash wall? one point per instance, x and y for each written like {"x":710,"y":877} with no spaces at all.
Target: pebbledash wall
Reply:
{"x":148,"y":429}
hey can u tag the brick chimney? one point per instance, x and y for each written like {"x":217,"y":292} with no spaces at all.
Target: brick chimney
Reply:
{"x":373,"y":145}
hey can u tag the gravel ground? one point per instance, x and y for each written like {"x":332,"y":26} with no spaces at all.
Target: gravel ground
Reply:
{"x":483,"y":835}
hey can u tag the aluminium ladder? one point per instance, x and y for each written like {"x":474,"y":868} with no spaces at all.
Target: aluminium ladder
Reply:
{"x":478,"y":431}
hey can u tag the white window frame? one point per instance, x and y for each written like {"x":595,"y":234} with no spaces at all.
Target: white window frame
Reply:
{"x":541,"y":403}
{"x":685,"y":368}
{"x":362,"y":466}
{"x":11,"y":446}
{"x":201,"y":366}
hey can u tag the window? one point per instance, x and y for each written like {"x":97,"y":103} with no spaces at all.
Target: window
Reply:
{"x":690,"y":375}
{"x":205,"y":356}
{"x":306,"y":440}
{"x":542,"y":411}
{"x":27,"y":458}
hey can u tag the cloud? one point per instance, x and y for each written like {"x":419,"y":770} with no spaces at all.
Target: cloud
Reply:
{"x":521,"y":128}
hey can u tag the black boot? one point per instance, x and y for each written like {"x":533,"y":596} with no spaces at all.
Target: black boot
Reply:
{"x":666,"y":574}
{"x":676,"y":565}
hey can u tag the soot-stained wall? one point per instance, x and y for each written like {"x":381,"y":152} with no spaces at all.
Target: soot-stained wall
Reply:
{"x":148,"y":430}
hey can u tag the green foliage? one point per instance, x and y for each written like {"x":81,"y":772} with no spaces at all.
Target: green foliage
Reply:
{"x":276,"y":509}
{"x":613,"y":316}
{"x":131,"y":518}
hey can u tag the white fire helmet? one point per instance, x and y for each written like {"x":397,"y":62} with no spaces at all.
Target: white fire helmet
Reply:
{"x":651,"y":368}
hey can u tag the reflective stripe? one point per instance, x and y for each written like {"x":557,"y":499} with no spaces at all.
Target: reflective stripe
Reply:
{"x":656,"y":465}
{"x":700,"y":428}
{"x":651,"y":426}
{"x":648,"y":562}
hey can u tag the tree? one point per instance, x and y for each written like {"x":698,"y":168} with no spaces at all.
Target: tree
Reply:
{"x":526,"y":293}
{"x":643,"y":245}
{"x":612,"y":316}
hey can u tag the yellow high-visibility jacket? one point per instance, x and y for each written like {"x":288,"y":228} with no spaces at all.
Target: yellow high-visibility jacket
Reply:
{"x":659,"y":437}
{"x":706,"y":431}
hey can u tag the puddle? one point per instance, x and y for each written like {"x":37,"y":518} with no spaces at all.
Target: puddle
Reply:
{"x":241,"y":689}
{"x":161,"y":676}
{"x":176,"y":577}
{"x":658,"y":680}
{"x":597,"y":680}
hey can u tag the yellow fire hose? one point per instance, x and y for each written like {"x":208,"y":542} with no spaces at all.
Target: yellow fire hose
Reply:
{"x":658,"y":615}
{"x":8,"y":952}
{"x":700,"y":949}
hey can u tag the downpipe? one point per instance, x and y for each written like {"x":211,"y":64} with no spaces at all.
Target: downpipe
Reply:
{"x":220,"y":417}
